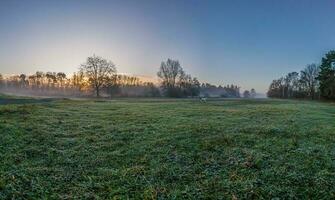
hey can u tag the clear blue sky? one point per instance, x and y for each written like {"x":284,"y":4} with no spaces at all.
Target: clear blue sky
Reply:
{"x":237,"y":41}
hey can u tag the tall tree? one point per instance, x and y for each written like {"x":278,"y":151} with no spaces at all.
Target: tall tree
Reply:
{"x":98,"y":70}
{"x":78,"y":80}
{"x":51,"y":78}
{"x":23,"y":80}
{"x":170,"y":73}
{"x":32,"y":81}
{"x":195,"y":87}
{"x":61,"y":77}
{"x":327,"y":76}
{"x":308,"y":77}
{"x":276,"y":89}
{"x":113,"y":86}
{"x":39,"y":78}
{"x":290,"y":83}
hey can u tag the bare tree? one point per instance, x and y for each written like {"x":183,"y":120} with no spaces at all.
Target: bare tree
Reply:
{"x":39,"y":78}
{"x":276,"y":89}
{"x":98,"y":70}
{"x":78,"y":80}
{"x":308,"y":77}
{"x":51,"y":78}
{"x":61,"y":77}
{"x":170,"y":72}
{"x":291,"y":80}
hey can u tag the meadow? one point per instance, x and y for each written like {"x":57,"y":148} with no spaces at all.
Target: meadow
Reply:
{"x":166,"y":149}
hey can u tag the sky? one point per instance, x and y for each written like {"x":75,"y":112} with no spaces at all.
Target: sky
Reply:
{"x":248,"y":43}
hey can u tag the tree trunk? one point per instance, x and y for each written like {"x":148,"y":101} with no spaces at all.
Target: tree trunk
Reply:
{"x":313,"y":93}
{"x":97,"y":89}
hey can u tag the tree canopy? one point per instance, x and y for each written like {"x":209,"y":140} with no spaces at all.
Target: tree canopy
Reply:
{"x":175,"y":82}
{"x":327,"y":76}
{"x":98,"y":71}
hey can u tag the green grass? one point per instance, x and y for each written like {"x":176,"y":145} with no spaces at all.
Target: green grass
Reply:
{"x":167,"y":149}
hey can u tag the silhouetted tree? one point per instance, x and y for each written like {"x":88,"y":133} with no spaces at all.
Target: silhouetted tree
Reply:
{"x":308,"y":78}
{"x":293,"y":83}
{"x":289,"y":82}
{"x":276,"y":89}
{"x":60,"y":78}
{"x":78,"y":80}
{"x":170,"y":73}
{"x":23,"y":82}
{"x":327,"y":76}
{"x":98,"y":70}
{"x":175,"y":82}
{"x":112,"y":85}
{"x":39,"y":79}
{"x":32,"y":81}
{"x":51,"y":79}
{"x":195,"y":87}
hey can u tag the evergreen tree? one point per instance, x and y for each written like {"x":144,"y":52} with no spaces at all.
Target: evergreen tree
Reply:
{"x":326,"y":76}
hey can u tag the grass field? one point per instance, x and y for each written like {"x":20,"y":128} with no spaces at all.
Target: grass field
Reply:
{"x":166,"y":149}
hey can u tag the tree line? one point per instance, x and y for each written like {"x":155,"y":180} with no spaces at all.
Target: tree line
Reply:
{"x":313,"y":82}
{"x":98,"y":76}
{"x":227,"y":91}
{"x":175,"y":82}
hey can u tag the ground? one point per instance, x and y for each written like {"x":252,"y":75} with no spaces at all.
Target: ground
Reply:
{"x":166,"y":149}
